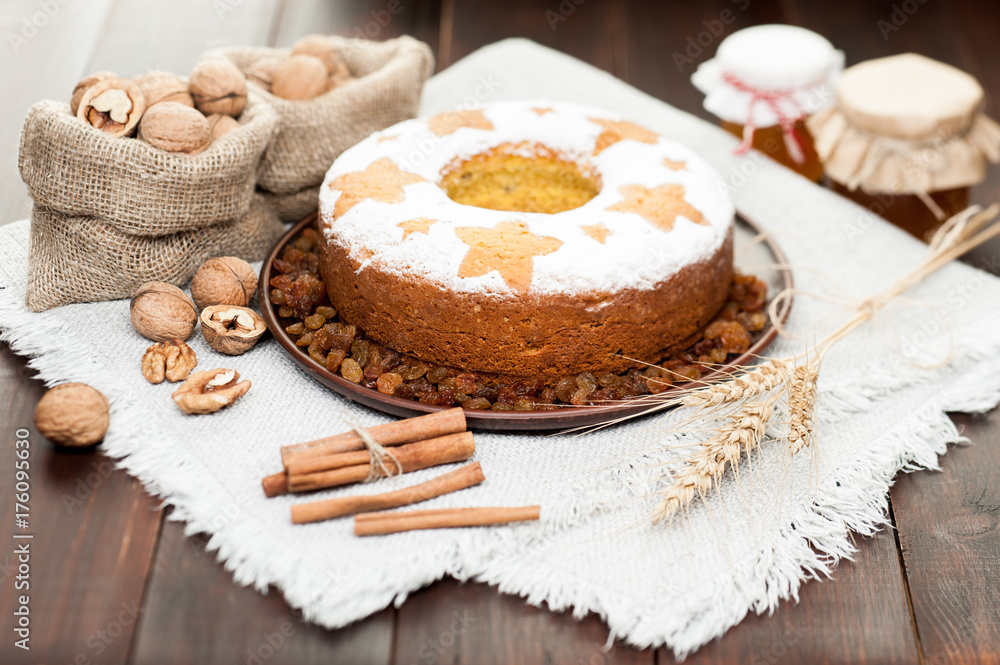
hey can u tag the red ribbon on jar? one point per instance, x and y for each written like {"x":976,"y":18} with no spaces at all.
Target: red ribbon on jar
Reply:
{"x":774,"y":99}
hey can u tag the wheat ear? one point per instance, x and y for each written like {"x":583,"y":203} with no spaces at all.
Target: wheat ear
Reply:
{"x":761,"y":379}
{"x":801,"y":404}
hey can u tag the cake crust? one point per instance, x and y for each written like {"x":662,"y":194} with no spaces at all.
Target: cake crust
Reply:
{"x":534,"y":335}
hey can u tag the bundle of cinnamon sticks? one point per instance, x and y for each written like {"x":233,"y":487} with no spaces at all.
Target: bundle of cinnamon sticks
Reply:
{"x":409,"y":445}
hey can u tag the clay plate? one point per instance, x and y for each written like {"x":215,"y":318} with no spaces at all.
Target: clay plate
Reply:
{"x":755,"y":258}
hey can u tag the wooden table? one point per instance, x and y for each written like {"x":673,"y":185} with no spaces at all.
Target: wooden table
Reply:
{"x":113,"y":581}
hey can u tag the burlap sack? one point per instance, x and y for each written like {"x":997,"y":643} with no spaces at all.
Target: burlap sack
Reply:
{"x":390,"y":77}
{"x":83,"y":259}
{"x":79,"y":171}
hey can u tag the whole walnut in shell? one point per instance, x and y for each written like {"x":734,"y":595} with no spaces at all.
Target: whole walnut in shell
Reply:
{"x":84,"y":85}
{"x":218,"y":86}
{"x":320,"y":46}
{"x":300,"y":77}
{"x":222,"y":124}
{"x":261,"y":72}
{"x":225,"y":280}
{"x":73,"y":414}
{"x":174,"y":127}
{"x":162,"y":312}
{"x":159,"y":86}
{"x":112,"y":105}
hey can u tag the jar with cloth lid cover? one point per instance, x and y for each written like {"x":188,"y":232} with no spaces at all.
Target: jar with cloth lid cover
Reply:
{"x":907,"y":139}
{"x":764,"y":82}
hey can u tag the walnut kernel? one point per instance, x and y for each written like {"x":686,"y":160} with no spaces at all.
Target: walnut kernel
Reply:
{"x":112,"y":105}
{"x":84,"y":85}
{"x":231,"y":330}
{"x":162,"y":312}
{"x":173,"y":360}
{"x":218,"y":86}
{"x":73,"y":414}
{"x":209,"y":391}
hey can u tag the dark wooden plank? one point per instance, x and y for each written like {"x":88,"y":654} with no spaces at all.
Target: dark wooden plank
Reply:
{"x":666,"y":41}
{"x":590,"y":31}
{"x":949,"y":530}
{"x":196,"y":614}
{"x":46,"y":48}
{"x":93,"y":530}
{"x":860,"y":616}
{"x":457,"y":623}
{"x":367,"y":19}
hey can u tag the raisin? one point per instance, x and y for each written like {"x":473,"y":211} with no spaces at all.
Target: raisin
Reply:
{"x":412,"y":372}
{"x":587,"y":381}
{"x":438,"y":374}
{"x":502,"y":406}
{"x":565,"y":388}
{"x":316,"y":352}
{"x":476,"y":403}
{"x":506,"y":395}
{"x":489,"y":393}
{"x":429,"y":397}
{"x":579,"y":397}
{"x":296,"y":328}
{"x":277,"y":297}
{"x":369,"y":382}
{"x":334,"y":359}
{"x":465,"y":382}
{"x":351,"y":370}
{"x":524,"y":404}
{"x":447,"y":397}
{"x":388,"y":382}
{"x":326,"y":312}
{"x":306,"y":339}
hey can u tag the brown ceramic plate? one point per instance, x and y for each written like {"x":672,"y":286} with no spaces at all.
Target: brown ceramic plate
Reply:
{"x":751,"y":258}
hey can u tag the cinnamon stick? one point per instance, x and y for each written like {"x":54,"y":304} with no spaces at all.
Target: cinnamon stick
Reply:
{"x":431,"y":426}
{"x":372,"y":524}
{"x":412,"y":457}
{"x":317,"y":511}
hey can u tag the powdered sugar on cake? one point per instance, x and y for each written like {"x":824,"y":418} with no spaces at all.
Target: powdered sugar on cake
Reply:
{"x":636,"y":253}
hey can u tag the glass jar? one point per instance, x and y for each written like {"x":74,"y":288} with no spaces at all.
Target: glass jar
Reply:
{"x":907,"y":140}
{"x":764,"y":83}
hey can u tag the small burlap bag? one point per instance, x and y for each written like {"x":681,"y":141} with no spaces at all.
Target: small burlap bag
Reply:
{"x":85,"y":259}
{"x":77,"y":170}
{"x":112,"y":213}
{"x":389,"y":79}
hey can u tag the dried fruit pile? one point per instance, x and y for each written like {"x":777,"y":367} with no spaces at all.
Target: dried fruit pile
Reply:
{"x":299,"y":296}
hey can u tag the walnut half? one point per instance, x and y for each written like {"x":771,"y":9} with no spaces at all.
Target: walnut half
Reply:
{"x":112,"y":105}
{"x":209,"y":391}
{"x":230,"y":329}
{"x":172,"y":360}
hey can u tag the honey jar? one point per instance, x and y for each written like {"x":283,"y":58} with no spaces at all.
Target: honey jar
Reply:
{"x":907,"y":139}
{"x":764,"y":82}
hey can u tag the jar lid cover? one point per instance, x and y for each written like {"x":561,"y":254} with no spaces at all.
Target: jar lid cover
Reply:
{"x":776,"y":56}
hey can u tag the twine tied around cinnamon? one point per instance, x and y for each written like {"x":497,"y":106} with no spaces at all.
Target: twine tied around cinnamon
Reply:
{"x":378,"y":454}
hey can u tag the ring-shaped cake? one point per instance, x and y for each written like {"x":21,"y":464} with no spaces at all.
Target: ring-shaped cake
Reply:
{"x":612,"y":244}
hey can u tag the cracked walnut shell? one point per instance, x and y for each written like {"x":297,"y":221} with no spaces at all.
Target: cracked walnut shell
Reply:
{"x":112,"y":105}
{"x":218,"y":86}
{"x":73,"y":414}
{"x":162,"y":312}
{"x":224,"y":280}
{"x":174,"y":127}
{"x":84,"y":85}
{"x":173,"y":360}
{"x":209,"y":391}
{"x":231,"y":330}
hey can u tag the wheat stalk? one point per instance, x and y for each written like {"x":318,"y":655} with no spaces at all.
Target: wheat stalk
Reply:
{"x":761,"y":379}
{"x":801,"y":404}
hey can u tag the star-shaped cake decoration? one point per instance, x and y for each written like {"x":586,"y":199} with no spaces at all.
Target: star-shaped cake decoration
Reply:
{"x":509,"y":248}
{"x":380,"y":181}
{"x":418,"y":225}
{"x":451,"y":121}
{"x":541,"y":110}
{"x":615,"y":131}
{"x":598,"y":232}
{"x":660,"y":205}
{"x":675,"y":166}
{"x":388,"y":137}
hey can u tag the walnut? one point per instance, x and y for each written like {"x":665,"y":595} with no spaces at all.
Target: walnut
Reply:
{"x":174,"y":127}
{"x":320,"y":46}
{"x":220,"y":124}
{"x":73,"y":414}
{"x":159,"y":86}
{"x":209,"y":391}
{"x":231,"y":330}
{"x":172,"y":360}
{"x":84,"y":85}
{"x":112,"y":105}
{"x":262,"y":71}
{"x":162,"y":312}
{"x":225,"y":280}
{"x":337,"y":80}
{"x":300,"y":77}
{"x":218,"y":86}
